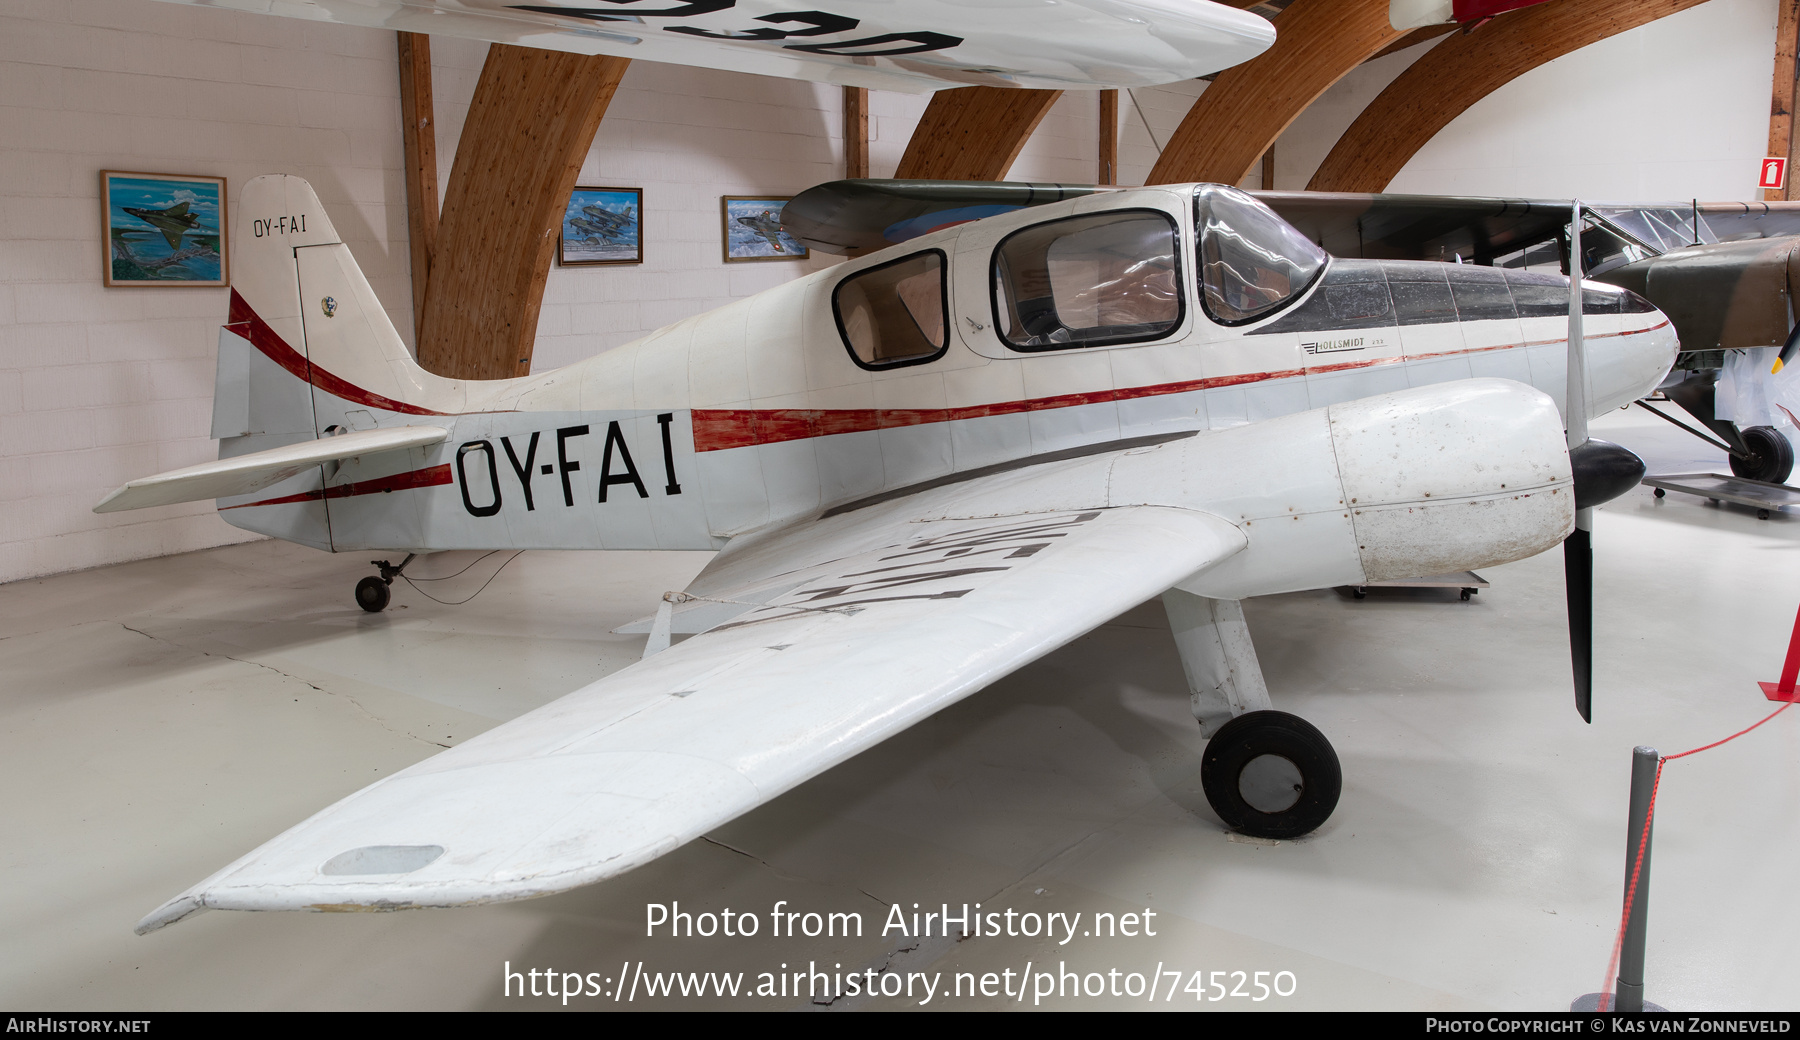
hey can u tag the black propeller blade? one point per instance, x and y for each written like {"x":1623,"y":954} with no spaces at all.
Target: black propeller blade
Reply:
{"x":1603,"y":471}
{"x":1578,"y":581}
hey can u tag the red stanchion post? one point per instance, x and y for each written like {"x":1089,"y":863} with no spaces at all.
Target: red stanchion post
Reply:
{"x":1790,"y":670}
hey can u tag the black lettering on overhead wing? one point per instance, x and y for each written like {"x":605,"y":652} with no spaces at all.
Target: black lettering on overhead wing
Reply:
{"x":920,"y":42}
{"x":687,"y":9}
{"x":819,"y":23}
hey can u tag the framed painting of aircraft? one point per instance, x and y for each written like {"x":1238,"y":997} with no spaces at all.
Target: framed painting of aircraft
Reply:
{"x":752,"y":229}
{"x":163,"y":229}
{"x":602,"y":226}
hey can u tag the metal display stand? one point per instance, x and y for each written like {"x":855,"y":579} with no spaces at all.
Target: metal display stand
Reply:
{"x":1717,"y":487}
{"x":1468,"y":581}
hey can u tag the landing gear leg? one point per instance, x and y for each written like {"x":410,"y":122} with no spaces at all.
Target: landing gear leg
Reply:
{"x":372,"y":593}
{"x":1266,"y":773}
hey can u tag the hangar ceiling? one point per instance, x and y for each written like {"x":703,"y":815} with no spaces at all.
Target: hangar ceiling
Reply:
{"x":1462,"y":70}
{"x":1248,"y":106}
{"x":973,"y":133}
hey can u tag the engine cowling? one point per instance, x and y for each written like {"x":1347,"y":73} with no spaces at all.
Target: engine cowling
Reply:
{"x":1439,"y":478}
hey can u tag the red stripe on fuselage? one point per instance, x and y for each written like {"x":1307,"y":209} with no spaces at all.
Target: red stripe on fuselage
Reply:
{"x":276,"y":349}
{"x":418,"y":478}
{"x":717,"y":429}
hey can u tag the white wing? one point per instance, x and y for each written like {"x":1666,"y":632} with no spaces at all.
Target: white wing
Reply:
{"x":830,"y":636}
{"x":916,"y":46}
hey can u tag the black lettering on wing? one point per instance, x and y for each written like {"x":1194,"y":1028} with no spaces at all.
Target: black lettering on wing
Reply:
{"x":819,"y":24}
{"x":894,"y":581}
{"x":597,"y":14}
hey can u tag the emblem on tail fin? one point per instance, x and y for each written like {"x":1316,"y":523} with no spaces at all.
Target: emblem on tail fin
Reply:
{"x":329,"y":306}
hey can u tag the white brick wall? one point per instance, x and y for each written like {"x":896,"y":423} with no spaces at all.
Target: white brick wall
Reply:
{"x":100,"y":385}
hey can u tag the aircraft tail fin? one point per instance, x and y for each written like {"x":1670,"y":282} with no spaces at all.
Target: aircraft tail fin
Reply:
{"x":299,"y":298}
{"x":306,"y":353}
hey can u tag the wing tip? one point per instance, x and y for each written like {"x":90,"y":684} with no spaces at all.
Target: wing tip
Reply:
{"x":178,"y":909}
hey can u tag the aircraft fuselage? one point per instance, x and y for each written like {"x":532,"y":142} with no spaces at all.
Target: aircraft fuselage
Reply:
{"x":761,"y":412}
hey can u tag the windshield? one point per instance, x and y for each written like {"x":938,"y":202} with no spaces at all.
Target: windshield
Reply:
{"x":1251,"y":261}
{"x":1086,"y":281}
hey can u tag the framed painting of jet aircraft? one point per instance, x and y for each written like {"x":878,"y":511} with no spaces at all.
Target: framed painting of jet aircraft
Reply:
{"x":753,"y":229}
{"x":602,"y":226}
{"x":164,"y":229}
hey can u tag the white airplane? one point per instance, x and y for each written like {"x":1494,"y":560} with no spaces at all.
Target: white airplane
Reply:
{"x":916,"y":46}
{"x":922,"y":468}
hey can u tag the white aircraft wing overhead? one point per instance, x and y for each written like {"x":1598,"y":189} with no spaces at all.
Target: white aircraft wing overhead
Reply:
{"x":243,"y":474}
{"x":915,"y":46}
{"x":835,"y":634}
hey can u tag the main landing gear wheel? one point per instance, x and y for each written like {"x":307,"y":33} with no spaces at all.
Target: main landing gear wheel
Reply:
{"x":372,"y":594}
{"x":1771,"y":456}
{"x":1271,"y":775}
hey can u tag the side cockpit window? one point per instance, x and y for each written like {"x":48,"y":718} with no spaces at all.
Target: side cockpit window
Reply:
{"x":894,"y":314}
{"x":1252,"y":262}
{"x":1088,"y":281}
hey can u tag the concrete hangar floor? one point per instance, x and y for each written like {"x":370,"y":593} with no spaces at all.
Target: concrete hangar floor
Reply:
{"x":161,"y":718}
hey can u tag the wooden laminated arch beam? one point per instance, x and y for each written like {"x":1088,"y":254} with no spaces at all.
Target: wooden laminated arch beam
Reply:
{"x":973,"y":133}
{"x":1466,"y":67}
{"x":1243,"y":111}
{"x":528,"y":131}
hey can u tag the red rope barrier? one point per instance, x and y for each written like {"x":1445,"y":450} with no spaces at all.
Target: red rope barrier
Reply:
{"x":1637,"y":864}
{"x":1734,"y":736}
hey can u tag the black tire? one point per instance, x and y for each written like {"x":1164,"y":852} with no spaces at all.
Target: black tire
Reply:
{"x":1258,"y":737}
{"x":1771,"y":456}
{"x":372,"y":594}
{"x":1660,"y":493}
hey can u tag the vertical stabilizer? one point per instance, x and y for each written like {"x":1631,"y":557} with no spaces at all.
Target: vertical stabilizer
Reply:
{"x":307,"y":352}
{"x":297,"y":277}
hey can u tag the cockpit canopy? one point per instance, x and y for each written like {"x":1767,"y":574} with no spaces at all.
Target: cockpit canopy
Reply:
{"x":1251,"y":261}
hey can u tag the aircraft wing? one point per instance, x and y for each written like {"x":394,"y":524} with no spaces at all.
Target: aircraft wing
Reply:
{"x":827,"y":637}
{"x":917,"y":46}
{"x":257,"y":470}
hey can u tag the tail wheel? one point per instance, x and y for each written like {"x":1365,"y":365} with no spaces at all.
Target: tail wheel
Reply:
{"x":372,"y":594}
{"x":1271,"y":775}
{"x":1771,"y":456}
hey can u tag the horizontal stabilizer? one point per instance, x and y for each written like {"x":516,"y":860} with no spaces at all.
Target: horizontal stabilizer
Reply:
{"x":253,"y":472}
